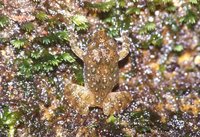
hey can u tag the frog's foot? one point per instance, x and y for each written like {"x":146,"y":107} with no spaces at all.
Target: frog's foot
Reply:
{"x":86,"y":132}
{"x":79,"y":97}
{"x":73,"y":44}
{"x":125,"y":47}
{"x":116,"y":102}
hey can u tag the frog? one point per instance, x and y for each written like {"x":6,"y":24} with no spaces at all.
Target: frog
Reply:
{"x":101,"y":75}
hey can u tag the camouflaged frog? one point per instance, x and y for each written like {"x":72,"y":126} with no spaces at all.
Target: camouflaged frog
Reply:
{"x":101,"y":75}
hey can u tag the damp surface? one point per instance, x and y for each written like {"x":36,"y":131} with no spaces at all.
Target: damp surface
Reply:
{"x":161,"y":71}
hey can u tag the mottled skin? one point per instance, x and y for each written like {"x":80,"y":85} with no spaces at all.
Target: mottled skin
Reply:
{"x":101,"y":75}
{"x":100,"y":71}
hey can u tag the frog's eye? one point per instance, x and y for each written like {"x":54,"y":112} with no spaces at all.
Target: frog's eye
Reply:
{"x":111,"y":42}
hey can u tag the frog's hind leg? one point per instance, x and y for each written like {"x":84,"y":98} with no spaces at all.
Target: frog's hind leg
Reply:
{"x":79,"y":97}
{"x":116,"y":102}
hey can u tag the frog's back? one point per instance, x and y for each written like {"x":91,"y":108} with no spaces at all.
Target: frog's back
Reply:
{"x":101,"y":65}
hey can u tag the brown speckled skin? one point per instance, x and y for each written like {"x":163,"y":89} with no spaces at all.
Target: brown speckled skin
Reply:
{"x":101,"y":75}
{"x":101,"y":72}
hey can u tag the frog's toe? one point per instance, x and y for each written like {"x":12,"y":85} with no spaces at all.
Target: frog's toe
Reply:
{"x":86,"y":132}
{"x":79,"y":97}
{"x":125,"y":47}
{"x":116,"y":102}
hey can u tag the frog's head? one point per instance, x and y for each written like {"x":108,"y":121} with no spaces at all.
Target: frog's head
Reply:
{"x":100,"y":36}
{"x":100,"y":39}
{"x":101,"y":47}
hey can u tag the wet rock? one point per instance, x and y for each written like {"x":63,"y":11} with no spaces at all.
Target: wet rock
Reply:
{"x":172,"y":67}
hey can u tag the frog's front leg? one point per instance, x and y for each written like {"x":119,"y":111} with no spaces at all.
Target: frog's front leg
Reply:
{"x":73,"y":40}
{"x":125,"y":46}
{"x":78,"y":97}
{"x":116,"y":102}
